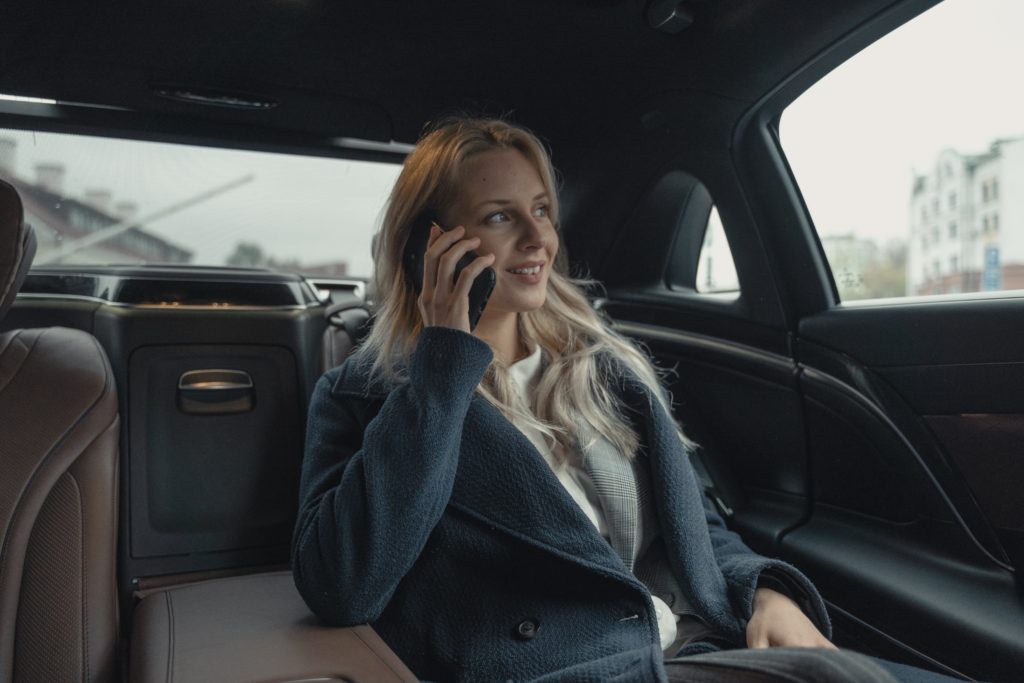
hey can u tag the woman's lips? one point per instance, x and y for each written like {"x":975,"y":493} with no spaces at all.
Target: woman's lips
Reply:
{"x":529,"y":273}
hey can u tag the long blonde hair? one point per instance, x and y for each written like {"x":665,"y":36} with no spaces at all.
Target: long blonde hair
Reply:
{"x":581,"y":353}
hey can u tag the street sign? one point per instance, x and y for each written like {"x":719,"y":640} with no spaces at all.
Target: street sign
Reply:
{"x":992,"y":277}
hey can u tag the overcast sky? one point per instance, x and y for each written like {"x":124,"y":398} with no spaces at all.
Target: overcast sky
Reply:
{"x":950,"y":78}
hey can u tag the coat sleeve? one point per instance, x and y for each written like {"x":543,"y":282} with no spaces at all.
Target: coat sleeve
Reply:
{"x":369,"y":498}
{"x":745,"y":571}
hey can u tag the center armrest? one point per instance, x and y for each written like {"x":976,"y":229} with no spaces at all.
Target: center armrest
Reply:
{"x":250,"y":628}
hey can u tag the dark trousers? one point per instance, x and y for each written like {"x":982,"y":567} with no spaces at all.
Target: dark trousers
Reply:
{"x":793,"y":665}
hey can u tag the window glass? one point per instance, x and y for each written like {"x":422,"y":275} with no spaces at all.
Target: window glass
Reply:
{"x":716,"y":271}
{"x":95,"y":200}
{"x":901,"y":154}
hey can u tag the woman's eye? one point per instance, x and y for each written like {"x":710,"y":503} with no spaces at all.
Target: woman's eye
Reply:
{"x":497,"y":217}
{"x":540,"y":212}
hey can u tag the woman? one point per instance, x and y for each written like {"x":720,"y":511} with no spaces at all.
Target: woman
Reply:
{"x":514,"y":501}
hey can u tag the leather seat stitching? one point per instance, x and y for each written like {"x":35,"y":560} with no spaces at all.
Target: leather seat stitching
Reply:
{"x":86,"y":664}
{"x":170,"y":637}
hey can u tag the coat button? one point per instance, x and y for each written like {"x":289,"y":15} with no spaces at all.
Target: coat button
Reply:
{"x":527,"y":629}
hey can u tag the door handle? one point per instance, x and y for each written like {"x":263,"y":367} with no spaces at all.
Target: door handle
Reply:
{"x":215,"y":392}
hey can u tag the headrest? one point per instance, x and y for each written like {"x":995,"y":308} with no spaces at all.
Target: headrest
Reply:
{"x":17,"y":246}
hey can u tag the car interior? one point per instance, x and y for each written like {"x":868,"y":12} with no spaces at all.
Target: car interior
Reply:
{"x":152,"y":413}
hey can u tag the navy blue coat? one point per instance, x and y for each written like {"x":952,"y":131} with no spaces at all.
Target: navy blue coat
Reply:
{"x":426,"y":513}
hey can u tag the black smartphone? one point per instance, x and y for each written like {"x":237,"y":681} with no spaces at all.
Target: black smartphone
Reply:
{"x":416,"y":249}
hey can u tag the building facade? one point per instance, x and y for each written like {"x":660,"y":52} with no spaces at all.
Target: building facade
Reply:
{"x":967,"y":222}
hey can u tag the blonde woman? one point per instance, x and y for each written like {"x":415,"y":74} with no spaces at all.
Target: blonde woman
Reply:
{"x":513,"y":501}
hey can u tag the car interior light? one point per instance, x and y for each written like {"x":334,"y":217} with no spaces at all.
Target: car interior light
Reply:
{"x":32,"y":100}
{"x":669,"y":16}
{"x":373,"y":145}
{"x":213,"y":98}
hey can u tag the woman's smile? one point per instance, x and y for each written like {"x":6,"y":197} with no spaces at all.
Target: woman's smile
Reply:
{"x":530,"y":273}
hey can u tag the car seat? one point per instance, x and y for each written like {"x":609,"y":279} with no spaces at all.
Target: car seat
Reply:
{"x":58,"y":489}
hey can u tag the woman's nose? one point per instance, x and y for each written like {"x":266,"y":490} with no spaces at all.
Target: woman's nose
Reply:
{"x":536,"y":232}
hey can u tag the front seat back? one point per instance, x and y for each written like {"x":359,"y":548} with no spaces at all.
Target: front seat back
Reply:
{"x":58,"y":489}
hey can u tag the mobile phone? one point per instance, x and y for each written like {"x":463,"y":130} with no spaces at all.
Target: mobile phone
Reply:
{"x":415,"y":251}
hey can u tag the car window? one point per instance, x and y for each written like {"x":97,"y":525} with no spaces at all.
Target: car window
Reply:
{"x":716,"y":271}
{"x":94,"y":200}
{"x":907,"y":156}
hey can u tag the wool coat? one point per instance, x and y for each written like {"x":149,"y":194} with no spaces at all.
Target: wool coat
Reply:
{"x":425,"y":513}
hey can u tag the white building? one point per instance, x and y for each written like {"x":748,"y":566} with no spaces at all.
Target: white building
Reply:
{"x":967,"y":222}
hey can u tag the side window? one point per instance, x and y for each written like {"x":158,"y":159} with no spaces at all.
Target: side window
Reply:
{"x":905,"y":154}
{"x":716,"y":272}
{"x":701,"y":261}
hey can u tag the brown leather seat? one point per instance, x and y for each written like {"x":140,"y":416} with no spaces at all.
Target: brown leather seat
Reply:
{"x":58,"y":489}
{"x":251,"y":628}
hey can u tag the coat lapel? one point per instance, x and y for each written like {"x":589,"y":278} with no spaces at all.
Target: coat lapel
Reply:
{"x":678,"y":503}
{"x":503,"y":480}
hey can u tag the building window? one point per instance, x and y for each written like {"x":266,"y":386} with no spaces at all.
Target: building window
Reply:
{"x":952,"y":200}
{"x":952,"y":230}
{"x":936,"y":268}
{"x":995,"y":222}
{"x":935,"y":205}
{"x":990,"y":190}
{"x":935,"y":235}
{"x":984,"y":224}
{"x":954,"y":264}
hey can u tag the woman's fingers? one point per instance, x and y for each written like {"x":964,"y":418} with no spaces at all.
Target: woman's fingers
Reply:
{"x":777,"y":621}
{"x":437,"y":243}
{"x":443,"y":302}
{"x":757,"y":634}
{"x":447,"y":262}
{"x":470,"y":273}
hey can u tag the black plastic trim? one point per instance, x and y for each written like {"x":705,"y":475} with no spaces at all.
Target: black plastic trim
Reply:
{"x":812,"y":376}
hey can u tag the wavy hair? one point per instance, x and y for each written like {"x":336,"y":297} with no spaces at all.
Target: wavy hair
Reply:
{"x":582,"y":355}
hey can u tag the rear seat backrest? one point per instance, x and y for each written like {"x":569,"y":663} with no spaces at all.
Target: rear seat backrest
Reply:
{"x":58,"y":489}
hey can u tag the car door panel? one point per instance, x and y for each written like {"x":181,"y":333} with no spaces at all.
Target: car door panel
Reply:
{"x":741,"y":405}
{"x":823,"y":462}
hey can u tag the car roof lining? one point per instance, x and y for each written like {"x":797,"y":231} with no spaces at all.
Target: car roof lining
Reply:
{"x":360,"y":69}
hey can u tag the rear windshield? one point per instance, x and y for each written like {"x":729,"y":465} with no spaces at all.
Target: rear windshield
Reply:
{"x":105,"y":201}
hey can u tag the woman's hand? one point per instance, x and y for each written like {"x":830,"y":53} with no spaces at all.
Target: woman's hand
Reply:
{"x":444,"y":302}
{"x":777,"y":621}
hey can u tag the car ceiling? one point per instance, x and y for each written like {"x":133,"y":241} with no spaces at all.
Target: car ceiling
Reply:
{"x":378,"y":70}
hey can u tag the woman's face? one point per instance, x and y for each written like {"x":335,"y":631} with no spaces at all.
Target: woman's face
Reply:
{"x":503,"y":202}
